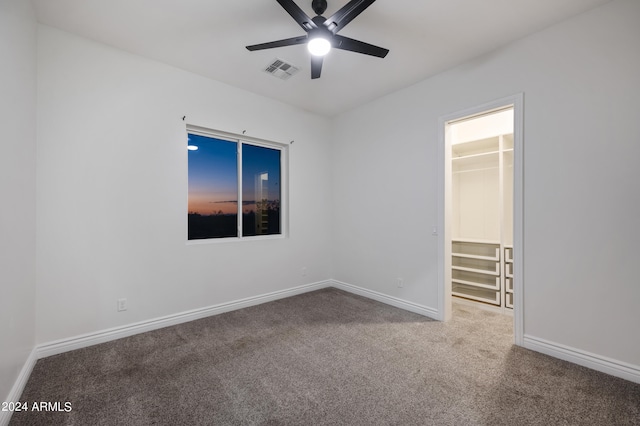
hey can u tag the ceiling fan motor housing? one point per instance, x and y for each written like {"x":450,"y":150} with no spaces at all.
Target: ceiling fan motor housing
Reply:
{"x":320,"y":31}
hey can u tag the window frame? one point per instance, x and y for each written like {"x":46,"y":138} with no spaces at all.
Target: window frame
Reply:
{"x":241,"y":140}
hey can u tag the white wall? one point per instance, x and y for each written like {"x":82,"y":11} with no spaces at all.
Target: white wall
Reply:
{"x":112,"y":182}
{"x":17,"y":188}
{"x":582,"y":145}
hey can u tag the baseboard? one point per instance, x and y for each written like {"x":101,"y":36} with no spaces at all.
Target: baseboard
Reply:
{"x":586,"y":359}
{"x":606,"y":365}
{"x":90,"y":339}
{"x":389,"y":300}
{"x":18,"y":386}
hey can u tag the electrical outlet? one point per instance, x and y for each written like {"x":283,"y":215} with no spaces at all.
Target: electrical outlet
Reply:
{"x":122,"y":305}
{"x":400,"y":283}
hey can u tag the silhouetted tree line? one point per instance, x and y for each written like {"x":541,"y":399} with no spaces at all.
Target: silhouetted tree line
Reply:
{"x":220,"y":225}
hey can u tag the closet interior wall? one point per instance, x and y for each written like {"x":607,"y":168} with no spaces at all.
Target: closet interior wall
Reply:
{"x":482,"y":209}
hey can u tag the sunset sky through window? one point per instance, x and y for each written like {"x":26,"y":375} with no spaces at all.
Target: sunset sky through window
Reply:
{"x":213,"y":175}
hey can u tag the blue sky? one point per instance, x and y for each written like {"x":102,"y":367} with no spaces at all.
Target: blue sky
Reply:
{"x":213,"y":175}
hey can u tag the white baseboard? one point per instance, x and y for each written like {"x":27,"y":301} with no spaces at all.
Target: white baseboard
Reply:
{"x":90,"y":339}
{"x":606,"y":365}
{"x":389,"y":300}
{"x":78,"y":342}
{"x":586,"y":359}
{"x":18,"y":386}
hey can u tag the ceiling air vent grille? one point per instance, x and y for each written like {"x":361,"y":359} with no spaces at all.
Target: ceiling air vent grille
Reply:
{"x":281,"y":69}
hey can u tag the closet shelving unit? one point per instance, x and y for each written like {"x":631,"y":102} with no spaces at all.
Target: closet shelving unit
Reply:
{"x":475,"y":270}
{"x":482,"y":241}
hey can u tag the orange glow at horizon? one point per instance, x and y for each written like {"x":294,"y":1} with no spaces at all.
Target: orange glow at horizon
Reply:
{"x":205,"y":205}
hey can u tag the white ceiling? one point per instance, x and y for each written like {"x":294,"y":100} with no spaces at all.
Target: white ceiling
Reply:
{"x":208,"y":37}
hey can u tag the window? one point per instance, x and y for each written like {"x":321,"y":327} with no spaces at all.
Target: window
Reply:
{"x":235,"y":186}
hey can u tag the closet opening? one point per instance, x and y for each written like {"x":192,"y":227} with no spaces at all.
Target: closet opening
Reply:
{"x":482,"y":201}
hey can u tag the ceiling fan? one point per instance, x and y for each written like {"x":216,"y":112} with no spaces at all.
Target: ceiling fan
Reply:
{"x":322,"y":32}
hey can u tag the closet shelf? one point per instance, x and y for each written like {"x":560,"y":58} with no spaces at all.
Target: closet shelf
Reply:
{"x":481,"y":295}
{"x":508,"y":285}
{"x":508,"y":254}
{"x":495,"y":286}
{"x":475,"y":240}
{"x":477,"y":271}
{"x":508,"y":300}
{"x":508,"y":270}
{"x":473,"y":256}
{"x":477,"y":146}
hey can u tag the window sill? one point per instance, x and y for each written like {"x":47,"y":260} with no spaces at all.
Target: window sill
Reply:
{"x":207,"y":241}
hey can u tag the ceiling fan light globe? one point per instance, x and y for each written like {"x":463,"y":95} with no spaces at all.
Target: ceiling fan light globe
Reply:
{"x":319,"y":46}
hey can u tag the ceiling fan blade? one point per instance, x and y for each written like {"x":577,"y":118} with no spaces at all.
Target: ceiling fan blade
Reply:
{"x":346,"y":43}
{"x":297,"y":14}
{"x":316,"y":66}
{"x":338,"y":20}
{"x":279,"y":43}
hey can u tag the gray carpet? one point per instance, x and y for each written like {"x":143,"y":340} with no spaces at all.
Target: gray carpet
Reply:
{"x":326,"y":358}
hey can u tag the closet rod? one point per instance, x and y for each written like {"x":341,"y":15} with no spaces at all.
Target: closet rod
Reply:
{"x":480,"y":154}
{"x":474,"y":170}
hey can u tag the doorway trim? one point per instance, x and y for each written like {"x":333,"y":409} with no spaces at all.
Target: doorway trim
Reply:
{"x":444,"y":207}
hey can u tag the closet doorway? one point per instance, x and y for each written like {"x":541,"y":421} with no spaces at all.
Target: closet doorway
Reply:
{"x":481,"y":242}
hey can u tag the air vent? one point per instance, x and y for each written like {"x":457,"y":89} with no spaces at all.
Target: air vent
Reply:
{"x":281,"y":69}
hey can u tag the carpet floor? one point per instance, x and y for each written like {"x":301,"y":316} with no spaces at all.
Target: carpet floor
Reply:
{"x":325,"y":358}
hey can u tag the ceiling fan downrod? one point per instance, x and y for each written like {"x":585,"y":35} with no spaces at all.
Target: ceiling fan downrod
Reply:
{"x":319,"y":6}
